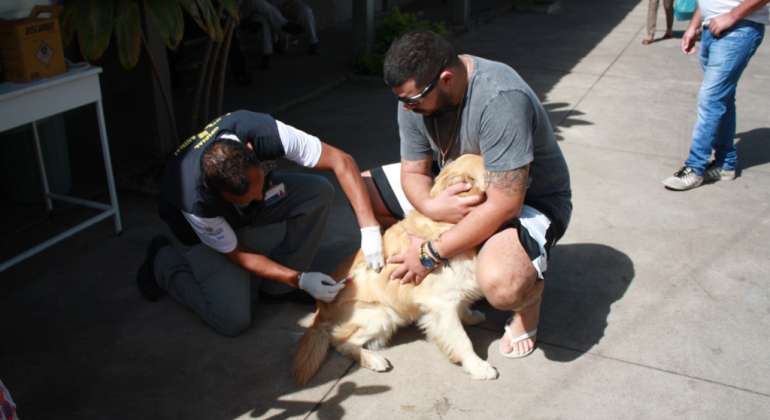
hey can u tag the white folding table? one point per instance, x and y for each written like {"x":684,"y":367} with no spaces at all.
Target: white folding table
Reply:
{"x":29,"y":102}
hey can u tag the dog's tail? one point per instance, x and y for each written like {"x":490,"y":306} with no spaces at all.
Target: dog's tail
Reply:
{"x":311,"y":351}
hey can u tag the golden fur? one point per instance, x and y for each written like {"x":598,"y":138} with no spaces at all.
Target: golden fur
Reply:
{"x":372,"y":307}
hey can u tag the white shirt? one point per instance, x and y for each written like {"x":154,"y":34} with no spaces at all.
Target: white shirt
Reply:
{"x":711,"y":8}
{"x":301,"y":148}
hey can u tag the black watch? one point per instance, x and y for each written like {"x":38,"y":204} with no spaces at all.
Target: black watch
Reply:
{"x":425,"y":260}
{"x":436,"y":255}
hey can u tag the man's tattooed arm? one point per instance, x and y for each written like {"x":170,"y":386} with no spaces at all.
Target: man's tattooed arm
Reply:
{"x":418,"y":164}
{"x":509,"y":183}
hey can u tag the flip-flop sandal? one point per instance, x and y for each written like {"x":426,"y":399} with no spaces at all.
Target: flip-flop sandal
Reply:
{"x":668,"y":36}
{"x":511,"y":355}
{"x":647,"y":42}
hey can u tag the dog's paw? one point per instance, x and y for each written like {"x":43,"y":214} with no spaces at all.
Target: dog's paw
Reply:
{"x":481,"y":370}
{"x":474,"y":317}
{"x":374,"y":361}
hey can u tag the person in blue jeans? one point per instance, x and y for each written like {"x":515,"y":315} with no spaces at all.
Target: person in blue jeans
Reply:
{"x":732,"y":32}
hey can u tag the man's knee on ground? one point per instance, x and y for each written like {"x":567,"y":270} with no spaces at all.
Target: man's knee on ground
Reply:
{"x":233,"y":325}
{"x":510,"y":291}
{"x":320,"y":191}
{"x":323,"y":188}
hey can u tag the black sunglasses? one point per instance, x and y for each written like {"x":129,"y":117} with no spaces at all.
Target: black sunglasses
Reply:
{"x":417,"y":100}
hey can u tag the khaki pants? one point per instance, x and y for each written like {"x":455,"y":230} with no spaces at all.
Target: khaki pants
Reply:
{"x":652,"y":15}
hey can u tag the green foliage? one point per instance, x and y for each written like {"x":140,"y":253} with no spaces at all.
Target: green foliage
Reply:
{"x":97,"y":20}
{"x":370,"y":63}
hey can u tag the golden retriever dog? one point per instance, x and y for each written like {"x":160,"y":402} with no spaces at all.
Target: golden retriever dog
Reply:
{"x":372,"y":307}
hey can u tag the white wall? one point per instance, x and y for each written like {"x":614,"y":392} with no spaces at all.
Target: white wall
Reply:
{"x":14,"y":9}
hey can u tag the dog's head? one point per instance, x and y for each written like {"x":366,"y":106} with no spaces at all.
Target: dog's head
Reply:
{"x":466,"y":168}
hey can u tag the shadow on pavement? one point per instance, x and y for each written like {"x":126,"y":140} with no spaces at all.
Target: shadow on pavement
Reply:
{"x":565,"y":115}
{"x":583,"y":281}
{"x":330,"y":409}
{"x":753,"y":147}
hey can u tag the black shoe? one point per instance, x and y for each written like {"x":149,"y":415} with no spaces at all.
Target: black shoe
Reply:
{"x":293,"y":28}
{"x":265,"y":65}
{"x":145,"y":278}
{"x":297,"y":296}
{"x":313,"y":49}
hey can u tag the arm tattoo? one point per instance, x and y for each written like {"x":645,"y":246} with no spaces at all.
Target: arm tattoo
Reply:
{"x":509,"y":183}
{"x":419,"y":163}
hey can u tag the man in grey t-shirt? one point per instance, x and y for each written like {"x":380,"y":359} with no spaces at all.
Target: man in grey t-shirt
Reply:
{"x":455,"y":105}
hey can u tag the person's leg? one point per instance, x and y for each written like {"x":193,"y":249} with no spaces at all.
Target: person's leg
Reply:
{"x":652,"y":17}
{"x":510,"y":271}
{"x":723,"y":60}
{"x":725,"y":152}
{"x":304,"y":209}
{"x":210,"y":285}
{"x":668,"y":7}
{"x":250,"y":8}
{"x":272,"y":21}
{"x":510,"y":283}
{"x":384,"y":217}
{"x":237,"y":62}
{"x":388,"y":199}
{"x":303,"y":15}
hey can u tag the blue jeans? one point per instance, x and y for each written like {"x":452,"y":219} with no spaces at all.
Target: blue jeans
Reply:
{"x":723,"y":60}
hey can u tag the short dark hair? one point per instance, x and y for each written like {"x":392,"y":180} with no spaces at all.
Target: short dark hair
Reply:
{"x":417,"y":54}
{"x":225,"y":166}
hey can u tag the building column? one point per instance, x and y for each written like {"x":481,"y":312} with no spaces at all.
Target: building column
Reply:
{"x":363,"y":26}
{"x":462,"y":12}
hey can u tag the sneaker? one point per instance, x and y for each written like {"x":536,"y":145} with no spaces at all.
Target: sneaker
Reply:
{"x":145,"y":278}
{"x":684,"y":179}
{"x":715,"y":173}
{"x":297,"y":296}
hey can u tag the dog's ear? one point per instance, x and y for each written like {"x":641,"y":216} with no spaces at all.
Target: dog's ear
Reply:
{"x":467,"y":168}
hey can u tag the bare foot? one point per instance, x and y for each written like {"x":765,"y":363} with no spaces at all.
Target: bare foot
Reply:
{"x":523,"y":322}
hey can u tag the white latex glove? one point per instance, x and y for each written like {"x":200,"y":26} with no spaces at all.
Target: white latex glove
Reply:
{"x":320,"y":286}
{"x":371,"y":244}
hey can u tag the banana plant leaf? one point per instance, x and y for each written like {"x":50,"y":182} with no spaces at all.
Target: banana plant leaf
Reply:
{"x":69,"y":21}
{"x":94,"y":27}
{"x":168,"y":18}
{"x":128,"y":32}
{"x":96,"y":20}
{"x":231,"y":8}
{"x":203,"y":13}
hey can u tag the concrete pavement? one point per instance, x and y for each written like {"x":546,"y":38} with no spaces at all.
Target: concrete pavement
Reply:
{"x":657,"y":304}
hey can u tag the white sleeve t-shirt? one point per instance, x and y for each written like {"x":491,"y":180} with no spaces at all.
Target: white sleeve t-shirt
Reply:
{"x":711,"y":8}
{"x":300,"y":147}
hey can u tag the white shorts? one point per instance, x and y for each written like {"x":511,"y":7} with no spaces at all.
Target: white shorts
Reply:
{"x":533,"y":226}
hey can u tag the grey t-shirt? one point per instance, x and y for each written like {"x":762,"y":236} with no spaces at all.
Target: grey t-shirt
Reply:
{"x":503,"y":121}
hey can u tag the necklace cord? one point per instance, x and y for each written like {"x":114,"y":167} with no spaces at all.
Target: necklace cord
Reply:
{"x":457,"y":120}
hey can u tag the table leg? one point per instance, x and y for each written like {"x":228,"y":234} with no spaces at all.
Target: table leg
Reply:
{"x":108,"y":166}
{"x":41,"y":166}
